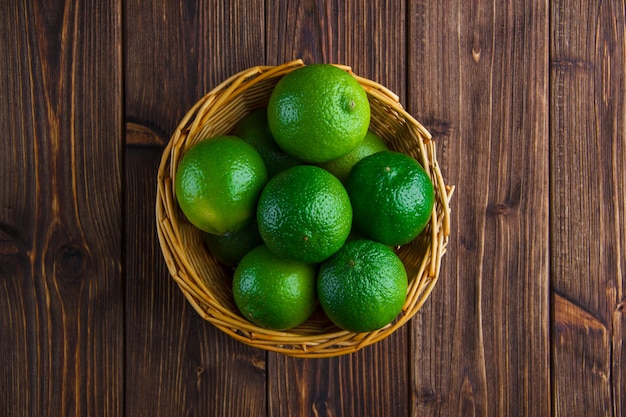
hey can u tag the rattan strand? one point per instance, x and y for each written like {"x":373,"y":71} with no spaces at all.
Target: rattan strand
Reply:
{"x":206,"y":284}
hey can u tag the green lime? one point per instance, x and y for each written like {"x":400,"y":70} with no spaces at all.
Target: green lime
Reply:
{"x":392,"y":197}
{"x":304,"y":214}
{"x":342,"y":166}
{"x":274,"y":293}
{"x":254,"y":129}
{"x":363,"y":286}
{"x":230,"y":248}
{"x":218,"y":182}
{"x":318,"y":113}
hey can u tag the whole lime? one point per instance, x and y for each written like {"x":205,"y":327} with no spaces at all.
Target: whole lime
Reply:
{"x":218,"y":182}
{"x":363,"y":286}
{"x":274,"y":293}
{"x":318,"y":113}
{"x":392,"y":197}
{"x":304,"y":214}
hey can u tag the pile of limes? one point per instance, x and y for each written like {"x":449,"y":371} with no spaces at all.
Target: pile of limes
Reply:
{"x":307,"y":204}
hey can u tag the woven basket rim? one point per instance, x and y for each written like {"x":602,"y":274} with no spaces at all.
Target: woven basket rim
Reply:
{"x":218,"y":110}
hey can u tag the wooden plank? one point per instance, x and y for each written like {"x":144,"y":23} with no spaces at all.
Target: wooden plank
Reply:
{"x":370,"y":38}
{"x":588,"y":156}
{"x":61,"y":333}
{"x":478,"y":78}
{"x":175,"y":52}
{"x":178,"y":364}
{"x":370,"y":382}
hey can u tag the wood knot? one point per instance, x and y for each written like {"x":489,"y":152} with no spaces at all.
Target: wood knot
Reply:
{"x":71,"y":261}
{"x":141,"y":134}
{"x":499,"y":209}
{"x":502,"y":209}
{"x":476,"y":53}
{"x":426,"y":396}
{"x":10,"y":241}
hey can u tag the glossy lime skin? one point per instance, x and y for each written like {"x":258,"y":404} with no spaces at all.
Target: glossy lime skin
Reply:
{"x":304,"y":214}
{"x":392,"y":197}
{"x":363,"y":286}
{"x":273,"y":293}
{"x":218,"y":183}
{"x":318,"y":113}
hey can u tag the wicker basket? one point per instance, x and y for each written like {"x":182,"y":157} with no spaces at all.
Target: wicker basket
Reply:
{"x":207,"y":284}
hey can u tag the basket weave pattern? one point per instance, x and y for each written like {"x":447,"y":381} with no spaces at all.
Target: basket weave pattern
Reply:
{"x":207,"y":285}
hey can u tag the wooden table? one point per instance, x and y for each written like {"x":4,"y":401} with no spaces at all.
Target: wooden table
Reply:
{"x":526,"y":101}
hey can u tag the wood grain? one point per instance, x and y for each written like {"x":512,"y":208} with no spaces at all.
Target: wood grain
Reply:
{"x":176,"y":51}
{"x":478,"y":73}
{"x":368,"y":38}
{"x":588,"y":156}
{"x":526,"y":101}
{"x":177,"y":363}
{"x":372,"y":382}
{"x":61,"y":349}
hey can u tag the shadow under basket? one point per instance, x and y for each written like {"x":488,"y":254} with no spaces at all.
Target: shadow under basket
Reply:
{"x":207,"y":284}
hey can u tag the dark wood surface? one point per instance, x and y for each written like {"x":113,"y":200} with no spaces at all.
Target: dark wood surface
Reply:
{"x":526,"y":101}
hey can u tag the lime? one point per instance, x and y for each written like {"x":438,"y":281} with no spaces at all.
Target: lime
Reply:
{"x":254,"y":129}
{"x":342,"y":166}
{"x":304,"y":214}
{"x":218,"y":182}
{"x":363,"y":286}
{"x":318,"y":113}
{"x":230,"y":248}
{"x":274,"y":293}
{"x":392,"y":197}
